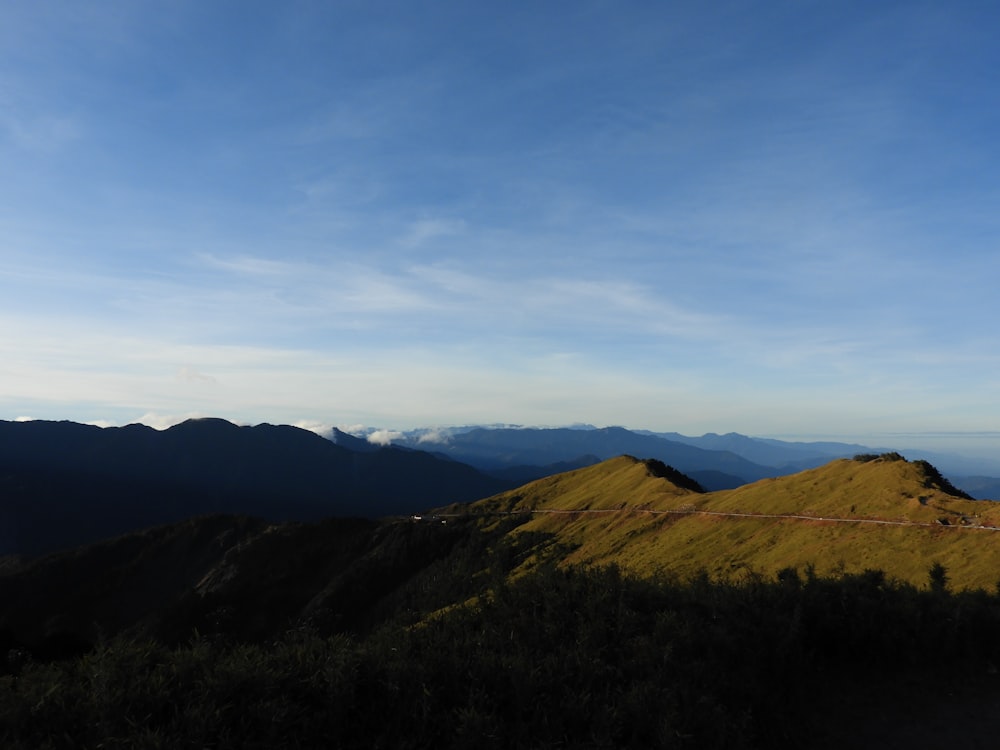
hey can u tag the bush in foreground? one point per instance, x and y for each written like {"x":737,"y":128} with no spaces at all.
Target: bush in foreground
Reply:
{"x":556,"y":658}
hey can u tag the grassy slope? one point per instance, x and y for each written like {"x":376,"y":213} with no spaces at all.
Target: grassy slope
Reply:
{"x":613,"y":484}
{"x":881,"y":490}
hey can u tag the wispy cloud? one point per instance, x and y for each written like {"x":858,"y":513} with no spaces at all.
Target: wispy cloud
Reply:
{"x":304,"y":306}
{"x":434,"y":435}
{"x":426,"y":230}
{"x":246,"y":265}
{"x":400,"y":225}
{"x":135,"y":380}
{"x":41,"y":133}
{"x":321,"y":428}
{"x":191,"y":375}
{"x":337,"y":294}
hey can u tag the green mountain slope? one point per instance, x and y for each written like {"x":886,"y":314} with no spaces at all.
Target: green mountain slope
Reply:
{"x":849,"y":515}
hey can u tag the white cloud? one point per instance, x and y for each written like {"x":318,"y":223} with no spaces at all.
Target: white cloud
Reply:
{"x":438,"y":436}
{"x":45,"y":133}
{"x":427,"y":230}
{"x":383,"y":437}
{"x":252,"y":266}
{"x":625,"y":303}
{"x":191,"y":375}
{"x":372,"y":291}
{"x":323,"y":429}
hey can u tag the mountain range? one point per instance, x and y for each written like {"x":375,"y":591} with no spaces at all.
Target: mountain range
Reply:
{"x":718,"y":461}
{"x":611,"y":590}
{"x":525,"y":454}
{"x":875,"y":512}
{"x":743,"y":458}
{"x":64,"y":483}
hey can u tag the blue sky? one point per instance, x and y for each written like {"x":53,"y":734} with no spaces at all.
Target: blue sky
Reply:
{"x":778,"y":218}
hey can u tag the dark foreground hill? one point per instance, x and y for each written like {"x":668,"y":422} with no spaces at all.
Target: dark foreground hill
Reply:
{"x":473,"y":631}
{"x":63,"y":483}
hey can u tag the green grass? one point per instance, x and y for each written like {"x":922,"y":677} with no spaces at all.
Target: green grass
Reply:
{"x":877,"y":489}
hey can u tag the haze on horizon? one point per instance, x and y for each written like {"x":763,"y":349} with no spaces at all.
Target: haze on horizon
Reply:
{"x":776,"y":219}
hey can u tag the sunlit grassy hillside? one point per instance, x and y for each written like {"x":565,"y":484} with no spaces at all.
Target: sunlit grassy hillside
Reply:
{"x":886,"y":513}
{"x":617,"y":483}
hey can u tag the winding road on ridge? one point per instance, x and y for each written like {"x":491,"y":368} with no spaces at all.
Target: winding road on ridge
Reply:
{"x":723,"y":514}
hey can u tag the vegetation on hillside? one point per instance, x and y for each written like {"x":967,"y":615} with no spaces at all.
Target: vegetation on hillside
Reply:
{"x":868,"y":457}
{"x":567,"y":657}
{"x":607,"y":607}
{"x":662,"y":470}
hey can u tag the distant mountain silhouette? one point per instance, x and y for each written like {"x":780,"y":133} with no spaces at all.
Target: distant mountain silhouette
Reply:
{"x":352,"y":442}
{"x":522,"y":454}
{"x":523,"y":474}
{"x":981,"y":488}
{"x":495,"y":450}
{"x":65,"y":483}
{"x":786,"y":456}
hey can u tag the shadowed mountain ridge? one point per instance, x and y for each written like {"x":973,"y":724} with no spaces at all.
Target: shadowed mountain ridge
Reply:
{"x":65,"y":483}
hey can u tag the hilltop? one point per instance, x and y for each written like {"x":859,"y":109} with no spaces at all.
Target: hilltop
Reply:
{"x":876,"y":512}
